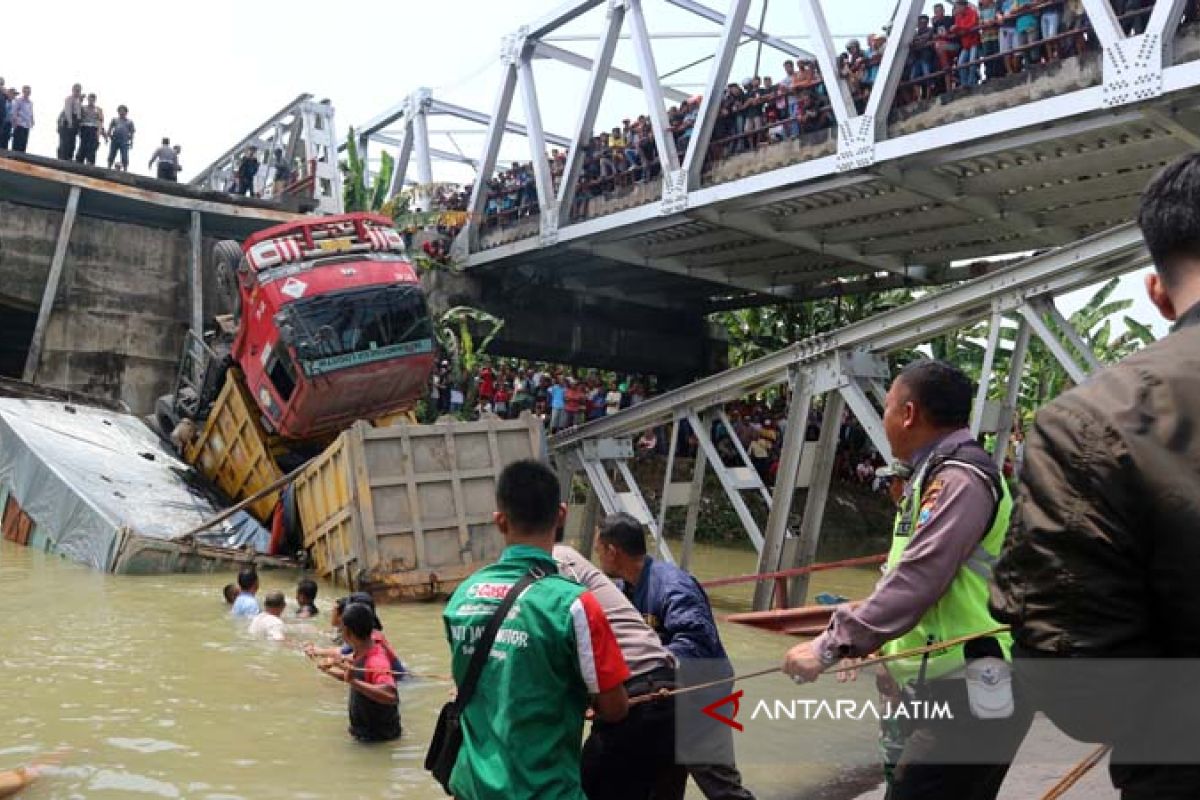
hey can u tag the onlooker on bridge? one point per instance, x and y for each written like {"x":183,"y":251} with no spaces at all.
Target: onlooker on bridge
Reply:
{"x":91,"y":126}
{"x":284,"y":174}
{"x":3,"y":114}
{"x":168,"y":161}
{"x":120,"y":138}
{"x":68,"y":123}
{"x":246,"y":172}
{"x":21,"y":112}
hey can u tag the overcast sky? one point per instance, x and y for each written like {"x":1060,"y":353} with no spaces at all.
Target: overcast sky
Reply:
{"x":206,"y":74}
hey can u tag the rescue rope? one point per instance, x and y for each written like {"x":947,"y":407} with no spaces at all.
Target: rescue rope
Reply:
{"x":1077,"y":772}
{"x":663,"y":694}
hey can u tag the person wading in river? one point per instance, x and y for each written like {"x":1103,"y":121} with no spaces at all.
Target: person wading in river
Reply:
{"x":374,"y":704}
{"x":950,"y":526}
{"x":1098,"y":579}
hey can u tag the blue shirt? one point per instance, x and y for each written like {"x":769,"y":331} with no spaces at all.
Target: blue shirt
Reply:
{"x":674,"y":604}
{"x":558,"y":396}
{"x":245,"y":606}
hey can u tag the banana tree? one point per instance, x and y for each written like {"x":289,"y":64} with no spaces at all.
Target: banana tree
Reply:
{"x":456,"y":332}
{"x":356,"y":195}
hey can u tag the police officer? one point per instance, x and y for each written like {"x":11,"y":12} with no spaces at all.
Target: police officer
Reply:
{"x":950,"y":526}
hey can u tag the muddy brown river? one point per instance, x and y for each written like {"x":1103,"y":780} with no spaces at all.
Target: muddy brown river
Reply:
{"x":154,"y":691}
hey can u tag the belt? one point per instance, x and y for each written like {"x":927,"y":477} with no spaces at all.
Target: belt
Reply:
{"x":652,"y":681}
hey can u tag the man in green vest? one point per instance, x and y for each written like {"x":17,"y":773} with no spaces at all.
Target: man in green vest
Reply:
{"x":950,"y":526}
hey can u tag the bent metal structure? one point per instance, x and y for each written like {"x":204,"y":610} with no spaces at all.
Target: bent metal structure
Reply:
{"x":848,"y":369}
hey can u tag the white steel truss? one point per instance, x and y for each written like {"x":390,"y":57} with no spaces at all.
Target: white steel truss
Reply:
{"x":1141,"y":81}
{"x":848,"y":369}
{"x":304,"y":131}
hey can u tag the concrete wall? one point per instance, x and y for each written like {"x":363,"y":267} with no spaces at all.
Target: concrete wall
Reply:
{"x":121,"y":311}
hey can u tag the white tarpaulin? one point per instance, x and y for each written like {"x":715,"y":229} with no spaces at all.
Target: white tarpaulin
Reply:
{"x":85,"y":474}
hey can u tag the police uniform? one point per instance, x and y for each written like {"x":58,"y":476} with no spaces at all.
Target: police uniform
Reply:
{"x":948,"y":532}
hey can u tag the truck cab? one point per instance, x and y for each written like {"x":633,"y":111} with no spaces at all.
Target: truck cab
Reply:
{"x":332,"y":324}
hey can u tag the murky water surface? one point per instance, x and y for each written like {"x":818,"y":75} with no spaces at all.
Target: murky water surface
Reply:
{"x":157,"y":693}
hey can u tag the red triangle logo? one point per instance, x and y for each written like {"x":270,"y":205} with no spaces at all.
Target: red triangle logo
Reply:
{"x":731,"y":721}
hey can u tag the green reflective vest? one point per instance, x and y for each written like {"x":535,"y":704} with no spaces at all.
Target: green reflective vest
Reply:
{"x":963,"y":609}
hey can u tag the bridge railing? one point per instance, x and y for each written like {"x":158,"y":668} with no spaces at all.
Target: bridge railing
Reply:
{"x":679,"y":158}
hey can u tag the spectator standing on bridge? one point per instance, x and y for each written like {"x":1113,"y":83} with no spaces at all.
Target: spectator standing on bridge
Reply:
{"x":966,"y":26}
{"x":21,"y":112}
{"x":167,"y":159}
{"x":120,"y":138}
{"x":1100,"y":567}
{"x":68,"y":123}
{"x":284,"y":174}
{"x":246,"y":172}
{"x":3,"y":115}
{"x":945,"y":43}
{"x":949,"y":528}
{"x":91,"y":126}
{"x":674,"y":605}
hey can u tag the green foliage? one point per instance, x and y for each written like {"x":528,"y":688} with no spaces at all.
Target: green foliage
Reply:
{"x":456,"y":332}
{"x":356,"y":195}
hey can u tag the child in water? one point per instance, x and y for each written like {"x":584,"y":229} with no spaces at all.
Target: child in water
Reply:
{"x":374,"y":705}
{"x":306,"y":599}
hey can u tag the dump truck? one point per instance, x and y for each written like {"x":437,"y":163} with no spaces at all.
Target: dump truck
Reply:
{"x":325,"y":352}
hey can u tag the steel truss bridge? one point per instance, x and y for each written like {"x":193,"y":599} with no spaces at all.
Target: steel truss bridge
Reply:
{"x":1050,"y":162}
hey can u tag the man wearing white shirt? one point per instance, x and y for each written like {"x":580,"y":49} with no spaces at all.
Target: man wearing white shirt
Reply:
{"x":268,"y":625}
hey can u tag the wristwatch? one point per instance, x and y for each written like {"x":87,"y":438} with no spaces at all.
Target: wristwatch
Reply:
{"x":828,"y":657}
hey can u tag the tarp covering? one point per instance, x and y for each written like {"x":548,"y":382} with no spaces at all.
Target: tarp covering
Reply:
{"x":85,"y":475}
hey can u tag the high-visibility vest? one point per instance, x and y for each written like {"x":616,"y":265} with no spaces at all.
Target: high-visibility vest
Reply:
{"x":963,"y":609}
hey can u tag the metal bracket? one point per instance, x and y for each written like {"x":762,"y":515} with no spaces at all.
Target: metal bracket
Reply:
{"x":616,"y":5}
{"x":856,"y":143}
{"x":607,"y":449}
{"x":674,"y":192}
{"x":1133,"y":70}
{"x":548,"y":234}
{"x":512,"y":46}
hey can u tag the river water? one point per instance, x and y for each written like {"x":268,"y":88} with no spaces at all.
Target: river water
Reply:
{"x":153,"y":691}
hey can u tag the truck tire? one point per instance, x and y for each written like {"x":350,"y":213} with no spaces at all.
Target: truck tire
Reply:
{"x":227,"y":255}
{"x":164,"y":415}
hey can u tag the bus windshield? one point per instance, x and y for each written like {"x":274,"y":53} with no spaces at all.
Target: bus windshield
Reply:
{"x":359,"y":326}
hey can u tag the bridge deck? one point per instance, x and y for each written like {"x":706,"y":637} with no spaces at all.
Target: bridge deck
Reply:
{"x":1017,"y":164}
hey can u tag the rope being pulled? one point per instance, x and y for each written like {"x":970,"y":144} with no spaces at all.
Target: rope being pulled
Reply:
{"x":1077,"y":772}
{"x":663,"y":694}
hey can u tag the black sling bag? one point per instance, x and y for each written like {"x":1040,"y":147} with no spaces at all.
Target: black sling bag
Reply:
{"x":447,"y":736}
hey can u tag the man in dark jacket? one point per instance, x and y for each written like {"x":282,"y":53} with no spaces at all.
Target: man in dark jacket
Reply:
{"x":674,"y":604}
{"x":1101,"y":564}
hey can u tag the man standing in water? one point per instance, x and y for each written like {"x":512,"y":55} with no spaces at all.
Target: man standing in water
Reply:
{"x":950,"y":526}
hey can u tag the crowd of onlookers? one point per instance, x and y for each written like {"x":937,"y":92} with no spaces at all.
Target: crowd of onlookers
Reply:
{"x":960,"y":45}
{"x":81,"y":126}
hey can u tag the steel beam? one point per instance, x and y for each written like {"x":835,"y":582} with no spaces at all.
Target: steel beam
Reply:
{"x":491,"y":151}
{"x":1047,"y":306}
{"x":664,"y":140}
{"x":560,"y":16}
{"x":714,"y":92}
{"x":744,"y":30}
{"x":1012,"y":392}
{"x":196,"y":273}
{"x":53,"y":278}
{"x":839,"y":93}
{"x":867,"y":416}
{"x":757,"y":225}
{"x":542,"y":49}
{"x":661,"y":549}
{"x":586,"y":126}
{"x":699,"y":467}
{"x":679,"y":266}
{"x":667,"y":477}
{"x":891,"y":68}
{"x":441,"y":107}
{"x":537,"y":140}
{"x":985,"y":372}
{"x":1057,"y":349}
{"x":420,"y":140}
{"x":786,"y":478}
{"x":700,"y":431}
{"x":809,"y":536}
{"x":404,"y":153}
